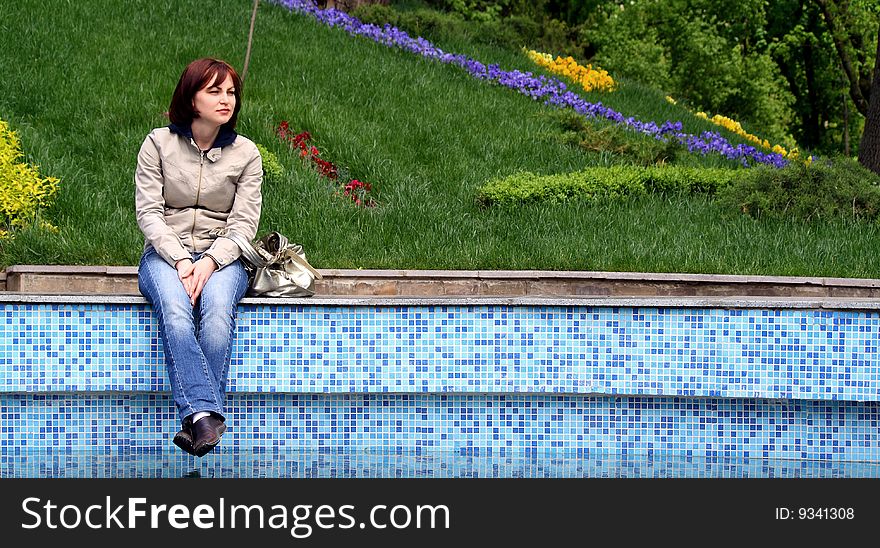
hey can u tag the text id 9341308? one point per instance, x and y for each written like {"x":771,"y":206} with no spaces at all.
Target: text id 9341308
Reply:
{"x":815,"y":513}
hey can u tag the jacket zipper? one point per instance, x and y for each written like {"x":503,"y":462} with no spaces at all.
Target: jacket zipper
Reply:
{"x":192,"y":233}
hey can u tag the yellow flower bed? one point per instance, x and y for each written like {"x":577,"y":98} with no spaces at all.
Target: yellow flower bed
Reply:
{"x":22,"y":190}
{"x":591,"y":79}
{"x":735,"y":127}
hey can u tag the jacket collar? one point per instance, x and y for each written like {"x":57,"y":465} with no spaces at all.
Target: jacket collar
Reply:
{"x":225,"y":137}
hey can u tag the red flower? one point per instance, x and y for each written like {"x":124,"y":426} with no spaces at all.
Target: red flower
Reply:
{"x":354,"y":189}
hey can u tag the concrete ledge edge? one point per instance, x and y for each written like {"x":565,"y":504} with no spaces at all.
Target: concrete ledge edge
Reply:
{"x":601,"y":302}
{"x":495,"y":275}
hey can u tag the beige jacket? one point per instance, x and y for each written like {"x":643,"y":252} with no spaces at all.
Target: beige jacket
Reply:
{"x":182,"y":193}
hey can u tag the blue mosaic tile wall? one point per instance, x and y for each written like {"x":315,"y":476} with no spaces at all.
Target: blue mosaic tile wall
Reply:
{"x":464,"y":424}
{"x":358,"y":464}
{"x":800,"y":354}
{"x":483,"y":381}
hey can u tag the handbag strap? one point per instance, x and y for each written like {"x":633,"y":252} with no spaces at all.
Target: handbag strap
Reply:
{"x":253,"y":257}
{"x":303,"y":263}
{"x":283,"y":243}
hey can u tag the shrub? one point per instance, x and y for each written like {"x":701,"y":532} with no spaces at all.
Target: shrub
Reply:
{"x":600,"y":183}
{"x":23,"y":192}
{"x":606,"y":137}
{"x":820,"y":190}
{"x":510,"y":33}
{"x":478,"y":10}
{"x":693,"y":56}
{"x":272,"y":168}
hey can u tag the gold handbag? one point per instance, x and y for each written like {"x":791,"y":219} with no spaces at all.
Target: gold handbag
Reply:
{"x":276,"y":267}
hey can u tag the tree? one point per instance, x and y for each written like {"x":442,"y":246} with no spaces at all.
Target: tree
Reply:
{"x":869,"y":148}
{"x":713,"y":54}
{"x":803,"y":50}
{"x":849,"y":44}
{"x":846,"y":23}
{"x":247,"y":55}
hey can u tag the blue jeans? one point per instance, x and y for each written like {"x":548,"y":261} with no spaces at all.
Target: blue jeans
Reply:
{"x":197,"y":340}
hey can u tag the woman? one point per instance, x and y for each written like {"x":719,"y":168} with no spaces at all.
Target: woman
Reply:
{"x":193,"y":176}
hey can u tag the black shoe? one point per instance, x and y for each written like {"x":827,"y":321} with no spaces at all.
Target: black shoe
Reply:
{"x":184,"y":438}
{"x":206,"y":434}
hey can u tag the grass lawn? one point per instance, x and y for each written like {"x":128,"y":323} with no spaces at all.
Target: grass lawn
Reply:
{"x":85,"y":82}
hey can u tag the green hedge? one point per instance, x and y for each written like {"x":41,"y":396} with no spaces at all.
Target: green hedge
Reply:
{"x":822,"y":190}
{"x":604,"y":183}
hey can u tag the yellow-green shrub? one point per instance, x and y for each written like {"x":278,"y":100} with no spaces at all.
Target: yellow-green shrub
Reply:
{"x":272,"y":168}
{"x":23,"y":192}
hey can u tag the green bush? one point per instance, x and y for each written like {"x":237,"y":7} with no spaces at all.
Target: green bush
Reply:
{"x":821,"y":190}
{"x":599,"y":183}
{"x":510,"y":33}
{"x":272,"y":168}
{"x":482,"y":10}
{"x":606,"y":137}
{"x":694,"y":55}
{"x":478,"y":10}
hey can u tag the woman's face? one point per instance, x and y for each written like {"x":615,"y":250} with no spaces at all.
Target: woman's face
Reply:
{"x":215,"y":103}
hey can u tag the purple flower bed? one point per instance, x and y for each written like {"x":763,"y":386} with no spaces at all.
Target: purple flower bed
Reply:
{"x":552,"y":91}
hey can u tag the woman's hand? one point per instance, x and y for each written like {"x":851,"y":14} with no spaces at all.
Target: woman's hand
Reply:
{"x":202,"y":270}
{"x":185,"y":269}
{"x":194,"y":275}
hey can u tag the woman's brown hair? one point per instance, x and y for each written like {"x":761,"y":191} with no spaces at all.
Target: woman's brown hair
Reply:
{"x":197,"y":75}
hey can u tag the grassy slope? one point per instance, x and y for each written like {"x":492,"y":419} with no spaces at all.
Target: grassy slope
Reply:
{"x":88,"y":82}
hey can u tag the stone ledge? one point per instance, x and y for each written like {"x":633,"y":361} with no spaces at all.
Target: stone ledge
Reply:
{"x":765,"y":303}
{"x":489,"y":274}
{"x":122,"y":280}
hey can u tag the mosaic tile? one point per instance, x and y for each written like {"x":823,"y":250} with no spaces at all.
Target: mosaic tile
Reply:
{"x":172,"y":463}
{"x":486,"y":382}
{"x":464,"y":424}
{"x":791,"y":354}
